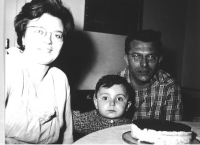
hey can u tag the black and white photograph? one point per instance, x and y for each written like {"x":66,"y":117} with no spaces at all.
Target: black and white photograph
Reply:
{"x":100,"y":72}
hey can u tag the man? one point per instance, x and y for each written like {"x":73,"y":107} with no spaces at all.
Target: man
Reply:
{"x":157,"y":94}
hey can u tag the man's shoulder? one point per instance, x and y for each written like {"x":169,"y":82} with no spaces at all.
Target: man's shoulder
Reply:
{"x":165,"y":78}
{"x":123,"y":73}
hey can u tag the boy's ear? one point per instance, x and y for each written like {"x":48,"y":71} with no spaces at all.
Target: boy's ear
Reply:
{"x":128,"y":106}
{"x":95,"y":102}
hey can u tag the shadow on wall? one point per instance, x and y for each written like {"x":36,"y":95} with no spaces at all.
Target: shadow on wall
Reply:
{"x":76,"y":58}
{"x":168,"y":63}
{"x":191,"y":105}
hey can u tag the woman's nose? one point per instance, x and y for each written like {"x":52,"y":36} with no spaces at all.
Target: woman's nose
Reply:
{"x":48,"y":38}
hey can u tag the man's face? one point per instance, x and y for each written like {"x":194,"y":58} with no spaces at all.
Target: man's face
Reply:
{"x":143,"y":61}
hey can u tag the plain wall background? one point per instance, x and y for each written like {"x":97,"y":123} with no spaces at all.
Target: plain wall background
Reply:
{"x":2,"y":73}
{"x":90,"y":54}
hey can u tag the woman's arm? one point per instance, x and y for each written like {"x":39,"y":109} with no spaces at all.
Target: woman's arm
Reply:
{"x":68,"y":134}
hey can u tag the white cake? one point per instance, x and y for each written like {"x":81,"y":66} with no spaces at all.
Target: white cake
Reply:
{"x":159,"y":132}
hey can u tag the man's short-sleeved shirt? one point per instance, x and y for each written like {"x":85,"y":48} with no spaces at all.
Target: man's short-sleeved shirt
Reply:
{"x":162,"y":100}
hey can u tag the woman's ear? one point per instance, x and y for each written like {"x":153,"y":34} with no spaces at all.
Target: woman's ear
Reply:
{"x":23,"y":41}
{"x":128,"y":106}
{"x":126,"y":58}
{"x":95,"y":102}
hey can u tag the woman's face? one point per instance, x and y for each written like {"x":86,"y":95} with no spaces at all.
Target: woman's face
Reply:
{"x":43,"y":39}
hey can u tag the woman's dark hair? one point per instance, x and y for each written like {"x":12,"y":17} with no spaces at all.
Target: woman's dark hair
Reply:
{"x":145,"y":36}
{"x":35,"y":9}
{"x":111,"y":80}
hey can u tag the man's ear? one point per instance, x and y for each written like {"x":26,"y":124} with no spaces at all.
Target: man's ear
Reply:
{"x":128,"y":106}
{"x":126,"y":58}
{"x":160,"y":59}
{"x":95,"y":102}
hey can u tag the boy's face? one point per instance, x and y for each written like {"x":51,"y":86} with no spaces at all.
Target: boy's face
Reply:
{"x":112,"y":102}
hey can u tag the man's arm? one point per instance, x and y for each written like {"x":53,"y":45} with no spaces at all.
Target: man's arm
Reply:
{"x":174,"y":106}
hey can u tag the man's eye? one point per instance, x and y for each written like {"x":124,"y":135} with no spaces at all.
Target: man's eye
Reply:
{"x":136,"y":55}
{"x":120,"y":99}
{"x":151,"y":57}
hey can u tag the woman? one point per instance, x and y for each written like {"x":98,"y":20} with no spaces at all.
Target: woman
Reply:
{"x":38,"y":94}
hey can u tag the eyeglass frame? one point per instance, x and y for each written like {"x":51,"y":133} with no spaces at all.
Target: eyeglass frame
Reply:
{"x":45,"y":33}
{"x":146,"y":57}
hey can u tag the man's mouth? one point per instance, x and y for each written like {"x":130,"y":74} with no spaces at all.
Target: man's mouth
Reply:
{"x":143,"y":72}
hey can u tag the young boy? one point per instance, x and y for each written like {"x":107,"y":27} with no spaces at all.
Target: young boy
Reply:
{"x":113,"y":95}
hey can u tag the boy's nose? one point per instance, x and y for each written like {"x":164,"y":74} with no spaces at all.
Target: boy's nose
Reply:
{"x":112,"y":103}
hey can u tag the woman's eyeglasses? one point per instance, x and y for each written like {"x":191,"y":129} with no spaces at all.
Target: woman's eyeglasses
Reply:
{"x":41,"y":32}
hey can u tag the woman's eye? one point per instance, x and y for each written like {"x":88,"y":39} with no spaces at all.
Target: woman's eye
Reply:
{"x":59,"y":36}
{"x":40,"y":31}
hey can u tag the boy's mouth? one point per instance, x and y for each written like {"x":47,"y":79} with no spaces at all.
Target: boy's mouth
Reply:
{"x":111,"y":111}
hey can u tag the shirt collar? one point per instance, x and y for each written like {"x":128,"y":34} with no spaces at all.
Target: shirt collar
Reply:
{"x":107,"y":120}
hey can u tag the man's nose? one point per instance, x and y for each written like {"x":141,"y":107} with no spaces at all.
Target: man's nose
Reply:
{"x":143,"y":62}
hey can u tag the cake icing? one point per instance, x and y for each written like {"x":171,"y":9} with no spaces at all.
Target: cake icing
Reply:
{"x":161,"y":132}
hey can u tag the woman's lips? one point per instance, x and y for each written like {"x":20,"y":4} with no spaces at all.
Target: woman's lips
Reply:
{"x":47,"y":50}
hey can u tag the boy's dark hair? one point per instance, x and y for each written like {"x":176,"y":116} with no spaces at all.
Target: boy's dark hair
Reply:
{"x":145,"y":36}
{"x":35,"y":9}
{"x":110,"y":80}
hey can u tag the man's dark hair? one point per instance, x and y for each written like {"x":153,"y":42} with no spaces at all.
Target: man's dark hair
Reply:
{"x":111,"y":80}
{"x":145,"y":36}
{"x":35,"y":9}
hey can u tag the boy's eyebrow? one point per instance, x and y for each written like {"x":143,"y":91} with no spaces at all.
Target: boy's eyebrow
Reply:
{"x":125,"y":96}
{"x":121,"y":95}
{"x":104,"y":93}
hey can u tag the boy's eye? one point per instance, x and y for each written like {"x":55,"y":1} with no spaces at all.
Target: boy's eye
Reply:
{"x":120,"y":99}
{"x":104,"y":98}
